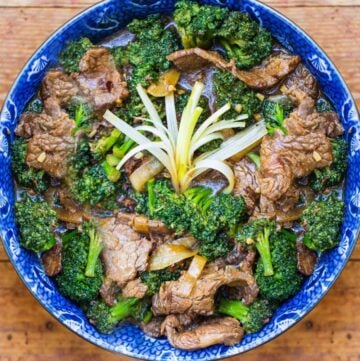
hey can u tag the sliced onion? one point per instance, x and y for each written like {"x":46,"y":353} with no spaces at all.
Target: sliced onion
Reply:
{"x":189,"y":242}
{"x":168,"y":254}
{"x":188,"y":280}
{"x":144,"y":173}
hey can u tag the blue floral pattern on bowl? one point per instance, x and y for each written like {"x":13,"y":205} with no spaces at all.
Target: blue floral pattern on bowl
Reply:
{"x":98,"y":22}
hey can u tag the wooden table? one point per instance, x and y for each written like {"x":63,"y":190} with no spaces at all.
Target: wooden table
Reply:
{"x":331,"y":332}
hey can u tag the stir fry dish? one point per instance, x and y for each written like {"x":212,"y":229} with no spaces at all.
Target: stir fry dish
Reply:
{"x":184,"y":175}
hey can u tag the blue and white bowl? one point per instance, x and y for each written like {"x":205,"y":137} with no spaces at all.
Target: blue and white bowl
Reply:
{"x":98,"y":22}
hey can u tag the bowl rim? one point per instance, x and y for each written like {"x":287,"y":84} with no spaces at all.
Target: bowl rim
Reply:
{"x":137,"y":356}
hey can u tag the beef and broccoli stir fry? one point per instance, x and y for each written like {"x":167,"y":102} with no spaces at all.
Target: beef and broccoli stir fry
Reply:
{"x":182,"y":175}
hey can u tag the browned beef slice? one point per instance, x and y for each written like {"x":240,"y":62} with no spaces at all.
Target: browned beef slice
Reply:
{"x":301,"y":84}
{"x":305,"y":120}
{"x":134,"y":288}
{"x":99,"y":79}
{"x":125,"y":252}
{"x":284,"y":158}
{"x":306,"y":259}
{"x":109,"y":292}
{"x":263,"y":76}
{"x":246,"y":183}
{"x":50,"y":141}
{"x":51,"y":260}
{"x":201,"y":300}
{"x":270,"y":72}
{"x":220,"y":330}
{"x":244,"y":259}
{"x":58,"y":86}
{"x":152,"y":328}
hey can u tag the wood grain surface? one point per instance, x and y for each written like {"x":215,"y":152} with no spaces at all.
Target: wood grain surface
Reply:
{"x":330,"y":332}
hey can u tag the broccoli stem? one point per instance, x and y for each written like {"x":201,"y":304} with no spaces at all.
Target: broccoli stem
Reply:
{"x":263,"y":247}
{"x":112,"y":173}
{"x":151,"y":196}
{"x":123,"y":308}
{"x":120,"y":151}
{"x":95,"y":248}
{"x":200,"y":197}
{"x":148,"y":316}
{"x":234,"y":308}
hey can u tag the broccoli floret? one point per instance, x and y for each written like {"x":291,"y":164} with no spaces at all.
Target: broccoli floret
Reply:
{"x":132,"y":108}
{"x":244,"y":40}
{"x":203,"y":226}
{"x":70,"y":57}
{"x":322,"y":220}
{"x":80,"y":253}
{"x":286,"y":280}
{"x":274,"y":114}
{"x":26,"y":176}
{"x":106,"y":318}
{"x":36,"y":222}
{"x":252,"y":317}
{"x":166,"y":205}
{"x":212,"y":249}
{"x":229,"y":210}
{"x":94,"y":187}
{"x":148,"y":52}
{"x":323,"y":105}
{"x":82,"y":114}
{"x":81,"y":159}
{"x":211,"y":215}
{"x":198,"y":24}
{"x":154,"y":279}
{"x":35,"y":106}
{"x":229,"y":89}
{"x":197,"y":210}
{"x":142,"y":203}
{"x":120,"y":56}
{"x":335,"y":173}
{"x":257,"y":234}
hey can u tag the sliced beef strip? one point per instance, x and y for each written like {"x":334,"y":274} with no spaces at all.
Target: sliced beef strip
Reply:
{"x":301,"y":84}
{"x":125,"y":251}
{"x":220,"y":330}
{"x":244,"y":259}
{"x":284,"y":158}
{"x":305,"y":120}
{"x":246,"y":183}
{"x":306,"y":259}
{"x":58,"y":86}
{"x":50,"y":141}
{"x":99,"y":79}
{"x":51,"y":259}
{"x":152,"y":328}
{"x":134,"y":288}
{"x":109,"y":292}
{"x":201,"y":300}
{"x":266,"y":75}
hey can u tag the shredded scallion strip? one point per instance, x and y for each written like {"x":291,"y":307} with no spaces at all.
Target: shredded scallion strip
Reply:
{"x":175,"y":145}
